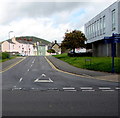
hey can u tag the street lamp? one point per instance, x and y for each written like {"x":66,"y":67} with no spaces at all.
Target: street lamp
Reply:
{"x":9,"y":38}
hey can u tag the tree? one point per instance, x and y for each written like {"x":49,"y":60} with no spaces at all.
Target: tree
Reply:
{"x":74,"y":39}
{"x":51,"y":51}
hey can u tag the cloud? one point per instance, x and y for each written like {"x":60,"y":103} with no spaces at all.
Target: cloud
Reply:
{"x":48,"y":20}
{"x":17,"y":11}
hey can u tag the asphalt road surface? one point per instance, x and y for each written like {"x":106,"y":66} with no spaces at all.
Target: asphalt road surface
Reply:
{"x":34,"y":88}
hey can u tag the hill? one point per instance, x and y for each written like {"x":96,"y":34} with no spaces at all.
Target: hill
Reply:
{"x":33,"y":39}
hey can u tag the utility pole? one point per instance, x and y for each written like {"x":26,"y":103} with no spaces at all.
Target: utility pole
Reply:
{"x":9,"y":39}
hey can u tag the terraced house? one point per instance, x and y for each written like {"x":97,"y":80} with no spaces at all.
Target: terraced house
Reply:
{"x":104,"y":24}
{"x":24,"y":46}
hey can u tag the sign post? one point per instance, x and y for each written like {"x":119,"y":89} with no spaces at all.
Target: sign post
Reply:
{"x":115,"y":38}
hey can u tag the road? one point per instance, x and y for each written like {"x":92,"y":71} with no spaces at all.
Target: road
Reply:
{"x":34,"y":88}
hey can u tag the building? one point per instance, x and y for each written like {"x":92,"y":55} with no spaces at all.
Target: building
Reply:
{"x":55,"y":46}
{"x":23,"y":46}
{"x":41,"y":49}
{"x":104,"y":24}
{"x":19,"y":46}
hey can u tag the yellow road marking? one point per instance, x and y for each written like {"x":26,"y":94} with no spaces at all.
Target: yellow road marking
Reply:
{"x":53,"y":66}
{"x":84,"y":76}
{"x":7,"y":68}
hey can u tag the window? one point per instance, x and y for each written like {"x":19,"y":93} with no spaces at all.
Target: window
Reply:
{"x":103,"y":24}
{"x":88,"y":31}
{"x":93,"y":30}
{"x":97,"y":27}
{"x":100,"y":26}
{"x":113,"y":20}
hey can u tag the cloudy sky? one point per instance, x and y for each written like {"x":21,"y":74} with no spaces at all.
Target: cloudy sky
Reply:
{"x":47,"y":19}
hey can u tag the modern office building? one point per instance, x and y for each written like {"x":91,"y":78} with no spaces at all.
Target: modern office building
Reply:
{"x":104,"y":24}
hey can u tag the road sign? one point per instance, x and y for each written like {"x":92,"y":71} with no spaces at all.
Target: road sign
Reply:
{"x":108,"y":37}
{"x":108,"y":41}
{"x":115,"y":38}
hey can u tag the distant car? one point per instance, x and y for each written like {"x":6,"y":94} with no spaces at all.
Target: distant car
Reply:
{"x":23,"y":55}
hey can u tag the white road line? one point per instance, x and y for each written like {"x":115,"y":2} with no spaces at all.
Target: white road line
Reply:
{"x":86,"y":88}
{"x":31,"y":65}
{"x":43,"y":75}
{"x":108,"y":90}
{"x":37,"y":80}
{"x":17,"y":89}
{"x":20,"y":79}
{"x":28,"y":70}
{"x":117,"y":88}
{"x":104,"y":88}
{"x":50,"y":80}
{"x":32,"y":61}
{"x":68,"y":88}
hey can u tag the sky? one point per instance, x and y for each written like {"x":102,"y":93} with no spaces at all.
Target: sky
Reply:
{"x":47,"y":19}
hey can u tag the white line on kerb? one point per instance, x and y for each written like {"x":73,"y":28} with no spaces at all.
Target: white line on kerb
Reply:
{"x":68,"y":88}
{"x":20,"y":79}
{"x":104,"y":88}
{"x":86,"y":88}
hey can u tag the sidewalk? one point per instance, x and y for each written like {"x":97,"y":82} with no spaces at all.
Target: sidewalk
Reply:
{"x":9,"y":63}
{"x":61,"y":65}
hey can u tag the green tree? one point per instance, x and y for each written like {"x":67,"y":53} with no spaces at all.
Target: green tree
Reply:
{"x":74,"y":39}
{"x":51,"y":51}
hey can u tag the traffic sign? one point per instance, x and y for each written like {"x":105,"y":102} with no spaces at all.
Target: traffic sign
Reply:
{"x":115,"y":38}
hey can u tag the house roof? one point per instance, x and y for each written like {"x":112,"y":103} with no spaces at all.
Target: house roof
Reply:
{"x":56,"y":44}
{"x":25,"y":42}
{"x":10,"y":41}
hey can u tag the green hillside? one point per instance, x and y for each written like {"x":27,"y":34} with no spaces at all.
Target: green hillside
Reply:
{"x":33,"y":39}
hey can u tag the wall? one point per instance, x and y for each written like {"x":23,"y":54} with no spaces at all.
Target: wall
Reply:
{"x":5,"y":46}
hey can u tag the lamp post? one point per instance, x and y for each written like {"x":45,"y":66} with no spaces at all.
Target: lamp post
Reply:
{"x":9,"y":39}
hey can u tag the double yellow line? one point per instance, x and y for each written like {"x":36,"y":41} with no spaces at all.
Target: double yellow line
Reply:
{"x":9,"y":67}
{"x":53,"y":66}
{"x":83,"y":76}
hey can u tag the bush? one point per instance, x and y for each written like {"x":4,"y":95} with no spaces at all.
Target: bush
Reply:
{"x":51,"y":51}
{"x":5,"y":55}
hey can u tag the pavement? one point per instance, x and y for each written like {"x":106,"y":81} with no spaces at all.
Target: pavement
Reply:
{"x":4,"y":66}
{"x":65,"y":67}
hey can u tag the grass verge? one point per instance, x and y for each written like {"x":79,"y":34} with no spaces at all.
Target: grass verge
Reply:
{"x":3,"y":60}
{"x":92,"y":63}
